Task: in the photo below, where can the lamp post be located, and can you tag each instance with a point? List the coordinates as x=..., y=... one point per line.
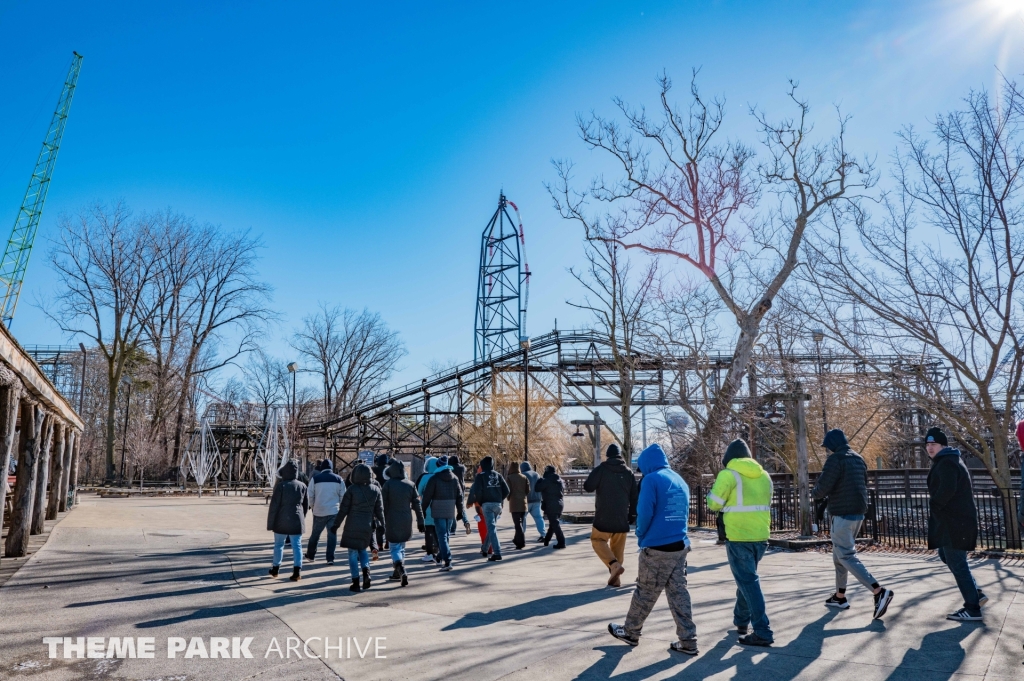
x=818, y=335
x=597, y=422
x=524, y=343
x=293, y=369
x=127, y=380
x=81, y=388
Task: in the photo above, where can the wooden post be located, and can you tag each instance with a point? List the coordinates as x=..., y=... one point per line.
x=62, y=496
x=10, y=398
x=25, y=487
x=73, y=471
x=42, y=476
x=56, y=472
x=799, y=419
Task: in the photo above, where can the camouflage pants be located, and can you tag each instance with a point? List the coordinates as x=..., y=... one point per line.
x=662, y=571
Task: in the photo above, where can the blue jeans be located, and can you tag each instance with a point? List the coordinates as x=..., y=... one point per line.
x=443, y=529
x=956, y=561
x=397, y=551
x=743, y=559
x=491, y=512
x=320, y=523
x=357, y=558
x=534, y=509
x=296, y=542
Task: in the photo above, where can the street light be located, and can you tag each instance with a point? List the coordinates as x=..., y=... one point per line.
x=126, y=380
x=524, y=343
x=817, y=335
x=293, y=369
x=81, y=388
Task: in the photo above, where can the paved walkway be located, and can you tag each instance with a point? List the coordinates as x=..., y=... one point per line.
x=190, y=568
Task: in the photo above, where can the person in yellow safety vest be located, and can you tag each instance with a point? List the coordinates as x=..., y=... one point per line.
x=743, y=492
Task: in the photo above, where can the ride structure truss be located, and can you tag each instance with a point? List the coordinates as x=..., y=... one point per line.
x=502, y=286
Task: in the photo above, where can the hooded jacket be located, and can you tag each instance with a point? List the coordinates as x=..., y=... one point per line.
x=361, y=505
x=552, y=492
x=518, y=490
x=401, y=501
x=429, y=467
x=743, y=492
x=615, y=504
x=443, y=495
x=325, y=491
x=844, y=478
x=663, y=505
x=953, y=517
x=380, y=464
x=459, y=470
x=488, y=485
x=533, y=476
x=288, y=504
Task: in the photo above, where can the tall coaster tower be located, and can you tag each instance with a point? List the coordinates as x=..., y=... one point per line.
x=503, y=287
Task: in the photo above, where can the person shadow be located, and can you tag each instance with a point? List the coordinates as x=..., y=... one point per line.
x=536, y=608
x=940, y=656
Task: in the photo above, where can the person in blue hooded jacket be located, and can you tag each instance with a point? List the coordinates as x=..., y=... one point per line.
x=429, y=531
x=662, y=511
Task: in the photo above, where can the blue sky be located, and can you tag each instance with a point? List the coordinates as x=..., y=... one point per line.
x=368, y=145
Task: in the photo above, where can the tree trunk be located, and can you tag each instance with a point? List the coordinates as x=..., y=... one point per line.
x=56, y=472
x=42, y=476
x=798, y=417
x=73, y=471
x=25, y=487
x=111, y=429
x=65, y=478
x=10, y=397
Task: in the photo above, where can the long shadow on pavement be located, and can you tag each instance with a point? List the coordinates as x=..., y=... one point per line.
x=537, y=608
x=938, y=658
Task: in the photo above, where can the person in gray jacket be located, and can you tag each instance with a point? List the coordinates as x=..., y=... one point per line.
x=533, y=499
x=844, y=482
x=325, y=491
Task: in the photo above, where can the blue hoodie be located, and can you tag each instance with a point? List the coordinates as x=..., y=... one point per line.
x=664, y=504
x=429, y=468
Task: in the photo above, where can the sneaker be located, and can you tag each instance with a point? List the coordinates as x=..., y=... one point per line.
x=540, y=538
x=427, y=558
x=742, y=631
x=308, y=559
x=559, y=546
x=882, y=600
x=330, y=562
x=684, y=647
x=982, y=598
x=374, y=555
x=619, y=632
x=494, y=557
x=962, y=615
x=755, y=640
x=838, y=603
x=447, y=567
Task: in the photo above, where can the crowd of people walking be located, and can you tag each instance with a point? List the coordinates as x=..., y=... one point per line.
x=377, y=506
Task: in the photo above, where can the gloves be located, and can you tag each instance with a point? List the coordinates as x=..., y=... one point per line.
x=421, y=527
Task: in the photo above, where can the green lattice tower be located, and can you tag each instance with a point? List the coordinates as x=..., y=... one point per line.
x=19, y=246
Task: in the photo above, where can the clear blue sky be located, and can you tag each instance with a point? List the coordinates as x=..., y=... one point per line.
x=368, y=145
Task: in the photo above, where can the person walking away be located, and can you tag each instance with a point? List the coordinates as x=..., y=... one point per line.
x=325, y=491
x=443, y=496
x=615, y=488
x=533, y=498
x=518, y=490
x=286, y=518
x=844, y=483
x=743, y=492
x=401, y=501
x=361, y=506
x=429, y=532
x=489, y=490
x=552, y=491
x=662, y=513
x=379, y=469
x=953, y=519
x=459, y=469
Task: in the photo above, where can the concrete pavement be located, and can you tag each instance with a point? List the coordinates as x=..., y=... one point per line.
x=190, y=568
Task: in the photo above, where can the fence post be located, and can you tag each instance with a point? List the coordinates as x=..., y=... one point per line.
x=700, y=506
x=874, y=515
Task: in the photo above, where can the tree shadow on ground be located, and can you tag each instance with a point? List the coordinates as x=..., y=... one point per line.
x=536, y=608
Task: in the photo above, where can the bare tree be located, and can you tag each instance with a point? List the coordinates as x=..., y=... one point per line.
x=621, y=308
x=266, y=380
x=105, y=263
x=683, y=194
x=354, y=353
x=940, y=277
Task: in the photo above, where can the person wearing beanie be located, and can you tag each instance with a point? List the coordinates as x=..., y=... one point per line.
x=953, y=520
x=324, y=493
x=519, y=490
x=552, y=491
x=286, y=518
x=615, y=494
x=844, y=483
x=662, y=513
x=743, y=492
x=533, y=499
x=490, y=490
x=460, y=473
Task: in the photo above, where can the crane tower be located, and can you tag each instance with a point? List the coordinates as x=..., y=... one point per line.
x=19, y=246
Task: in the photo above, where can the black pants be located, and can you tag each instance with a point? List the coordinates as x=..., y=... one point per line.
x=519, y=540
x=554, y=527
x=720, y=526
x=430, y=534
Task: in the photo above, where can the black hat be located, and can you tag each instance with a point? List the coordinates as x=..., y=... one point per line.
x=613, y=452
x=737, y=449
x=936, y=435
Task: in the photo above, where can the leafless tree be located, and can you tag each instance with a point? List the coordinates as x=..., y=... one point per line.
x=621, y=308
x=266, y=380
x=353, y=353
x=941, y=275
x=683, y=194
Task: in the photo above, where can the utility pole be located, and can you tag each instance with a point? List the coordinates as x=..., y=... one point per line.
x=795, y=408
x=596, y=422
x=127, y=380
x=643, y=418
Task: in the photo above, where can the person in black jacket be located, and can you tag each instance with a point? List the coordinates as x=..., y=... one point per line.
x=953, y=520
x=362, y=506
x=844, y=482
x=614, y=485
x=551, y=491
x=443, y=496
x=460, y=473
x=286, y=518
x=489, y=490
x=380, y=465
x=401, y=501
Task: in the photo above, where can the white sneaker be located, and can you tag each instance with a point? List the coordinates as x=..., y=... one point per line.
x=427, y=558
